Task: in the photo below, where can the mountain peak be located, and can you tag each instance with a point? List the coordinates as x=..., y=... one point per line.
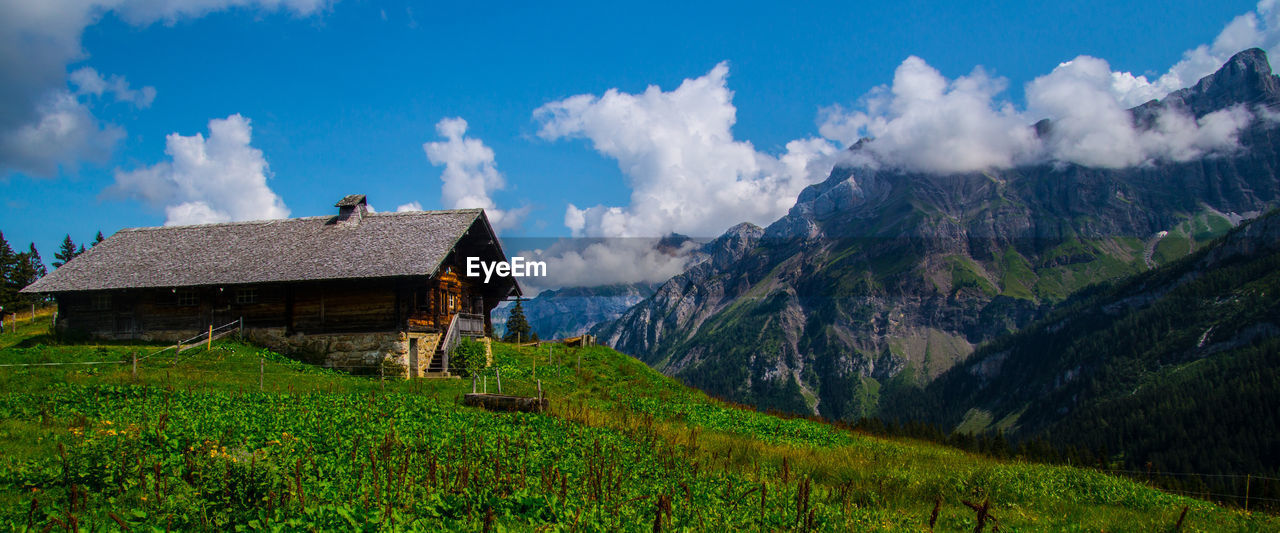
x=1246, y=78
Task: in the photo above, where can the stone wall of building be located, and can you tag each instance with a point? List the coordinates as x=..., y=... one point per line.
x=357, y=353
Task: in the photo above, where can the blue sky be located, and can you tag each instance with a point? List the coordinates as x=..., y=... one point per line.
x=341, y=97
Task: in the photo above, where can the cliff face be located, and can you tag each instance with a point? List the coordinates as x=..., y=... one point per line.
x=881, y=278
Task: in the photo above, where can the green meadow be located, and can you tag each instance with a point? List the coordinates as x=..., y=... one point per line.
x=194, y=443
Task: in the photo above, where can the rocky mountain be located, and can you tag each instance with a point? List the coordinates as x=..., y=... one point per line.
x=1175, y=367
x=684, y=301
x=883, y=279
x=572, y=311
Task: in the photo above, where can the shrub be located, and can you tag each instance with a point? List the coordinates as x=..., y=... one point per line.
x=468, y=358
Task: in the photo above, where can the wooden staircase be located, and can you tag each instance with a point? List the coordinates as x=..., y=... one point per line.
x=461, y=324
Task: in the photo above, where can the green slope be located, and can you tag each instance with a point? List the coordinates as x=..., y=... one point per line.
x=1176, y=369
x=191, y=444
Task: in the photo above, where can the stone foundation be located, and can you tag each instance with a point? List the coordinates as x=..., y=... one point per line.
x=427, y=344
x=357, y=353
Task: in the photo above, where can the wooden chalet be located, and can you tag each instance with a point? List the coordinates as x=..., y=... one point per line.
x=348, y=291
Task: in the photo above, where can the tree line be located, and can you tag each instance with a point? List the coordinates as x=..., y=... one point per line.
x=19, y=269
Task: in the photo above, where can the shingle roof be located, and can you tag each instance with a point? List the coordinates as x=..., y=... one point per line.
x=296, y=249
x=350, y=200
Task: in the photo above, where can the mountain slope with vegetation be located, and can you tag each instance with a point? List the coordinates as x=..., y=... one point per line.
x=191, y=443
x=1175, y=369
x=882, y=278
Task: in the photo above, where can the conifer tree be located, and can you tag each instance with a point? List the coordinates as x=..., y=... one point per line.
x=8, y=269
x=517, y=325
x=97, y=239
x=65, y=253
x=37, y=263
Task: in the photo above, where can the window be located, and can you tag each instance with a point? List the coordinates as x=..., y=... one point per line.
x=247, y=296
x=422, y=298
x=100, y=302
x=187, y=298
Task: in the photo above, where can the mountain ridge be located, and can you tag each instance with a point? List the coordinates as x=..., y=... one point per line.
x=882, y=278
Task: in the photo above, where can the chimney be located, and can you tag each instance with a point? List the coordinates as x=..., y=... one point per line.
x=351, y=209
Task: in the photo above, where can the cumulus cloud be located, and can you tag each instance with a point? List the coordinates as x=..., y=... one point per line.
x=63, y=132
x=687, y=172
x=1092, y=127
x=925, y=122
x=411, y=206
x=470, y=173
x=216, y=179
x=43, y=123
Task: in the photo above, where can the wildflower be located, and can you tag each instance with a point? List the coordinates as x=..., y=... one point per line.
x=106, y=422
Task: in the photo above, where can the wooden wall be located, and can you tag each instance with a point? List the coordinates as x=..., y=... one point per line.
x=311, y=307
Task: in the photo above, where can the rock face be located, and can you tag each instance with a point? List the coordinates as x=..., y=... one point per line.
x=685, y=300
x=878, y=279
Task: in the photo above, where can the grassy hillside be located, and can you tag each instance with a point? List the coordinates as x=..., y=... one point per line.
x=1173, y=370
x=192, y=444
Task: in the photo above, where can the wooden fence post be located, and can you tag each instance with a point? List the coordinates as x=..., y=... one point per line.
x=262, y=369
x=209, y=344
x=498, y=376
x=1247, y=479
x=135, y=374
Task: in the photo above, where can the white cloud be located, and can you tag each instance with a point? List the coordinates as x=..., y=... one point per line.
x=143, y=12
x=1093, y=128
x=927, y=123
x=38, y=39
x=1259, y=28
x=64, y=132
x=687, y=172
x=88, y=81
x=411, y=206
x=218, y=179
x=470, y=173
x=595, y=262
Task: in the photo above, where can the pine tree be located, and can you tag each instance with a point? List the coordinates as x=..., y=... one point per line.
x=65, y=253
x=97, y=239
x=517, y=325
x=8, y=269
x=27, y=268
x=37, y=263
